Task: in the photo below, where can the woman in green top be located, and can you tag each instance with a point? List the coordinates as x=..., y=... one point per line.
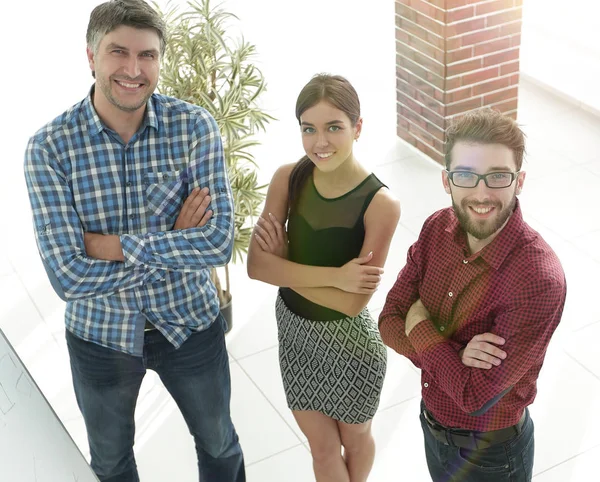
x=340, y=222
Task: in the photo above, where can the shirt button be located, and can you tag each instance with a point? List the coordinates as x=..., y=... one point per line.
x=450, y=294
x=426, y=384
x=129, y=184
x=465, y=261
x=131, y=216
x=165, y=176
x=442, y=328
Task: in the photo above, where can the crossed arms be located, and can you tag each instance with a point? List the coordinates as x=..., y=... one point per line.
x=346, y=289
x=478, y=374
x=83, y=265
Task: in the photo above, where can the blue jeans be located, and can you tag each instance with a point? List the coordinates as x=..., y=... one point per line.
x=107, y=383
x=511, y=461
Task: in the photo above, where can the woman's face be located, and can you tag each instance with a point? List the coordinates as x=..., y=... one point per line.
x=328, y=135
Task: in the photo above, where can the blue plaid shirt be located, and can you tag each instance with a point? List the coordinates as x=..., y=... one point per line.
x=82, y=177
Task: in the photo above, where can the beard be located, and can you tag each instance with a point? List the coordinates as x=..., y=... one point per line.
x=106, y=88
x=482, y=229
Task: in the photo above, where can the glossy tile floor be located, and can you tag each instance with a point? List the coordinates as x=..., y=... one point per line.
x=560, y=200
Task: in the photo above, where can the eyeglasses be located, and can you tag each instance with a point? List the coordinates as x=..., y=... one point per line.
x=493, y=180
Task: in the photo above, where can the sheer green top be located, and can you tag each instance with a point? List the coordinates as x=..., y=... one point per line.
x=326, y=232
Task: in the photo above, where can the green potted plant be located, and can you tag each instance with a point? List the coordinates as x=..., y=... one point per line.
x=205, y=66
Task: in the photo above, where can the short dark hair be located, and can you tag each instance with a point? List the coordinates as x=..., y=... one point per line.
x=486, y=126
x=108, y=16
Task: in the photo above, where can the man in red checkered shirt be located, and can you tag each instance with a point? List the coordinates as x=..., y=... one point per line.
x=475, y=307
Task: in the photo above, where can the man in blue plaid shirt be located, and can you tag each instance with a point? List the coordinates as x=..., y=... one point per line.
x=132, y=208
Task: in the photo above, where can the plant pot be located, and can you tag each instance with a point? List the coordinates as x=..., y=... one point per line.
x=227, y=311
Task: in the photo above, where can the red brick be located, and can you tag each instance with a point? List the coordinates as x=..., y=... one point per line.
x=401, y=73
x=463, y=67
x=402, y=122
x=420, y=32
x=459, y=14
x=509, y=68
x=426, y=48
x=420, y=71
x=426, y=8
x=464, y=106
x=423, y=20
x=515, y=40
x=451, y=4
x=508, y=106
x=453, y=43
x=425, y=137
x=420, y=84
x=438, y=3
x=510, y=28
x=437, y=132
x=453, y=83
x=491, y=7
x=416, y=117
x=420, y=59
x=404, y=135
x=480, y=76
x=432, y=153
x=458, y=95
x=429, y=102
x=493, y=46
x=468, y=26
x=501, y=96
x=512, y=115
x=459, y=55
x=405, y=87
x=518, y=3
x=491, y=85
x=409, y=102
x=412, y=116
x=402, y=36
x=514, y=79
x=501, y=57
x=502, y=18
x=431, y=116
x=409, y=95
x=481, y=36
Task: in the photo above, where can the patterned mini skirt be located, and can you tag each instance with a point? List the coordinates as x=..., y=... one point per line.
x=333, y=367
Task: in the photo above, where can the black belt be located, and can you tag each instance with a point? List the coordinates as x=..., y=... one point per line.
x=470, y=439
x=149, y=326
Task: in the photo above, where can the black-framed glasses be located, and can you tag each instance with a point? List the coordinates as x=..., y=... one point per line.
x=493, y=180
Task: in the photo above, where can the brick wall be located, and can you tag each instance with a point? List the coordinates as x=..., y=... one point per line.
x=453, y=56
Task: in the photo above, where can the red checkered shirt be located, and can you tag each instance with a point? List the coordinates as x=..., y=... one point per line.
x=514, y=287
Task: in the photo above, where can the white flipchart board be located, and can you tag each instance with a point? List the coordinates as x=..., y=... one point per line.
x=34, y=444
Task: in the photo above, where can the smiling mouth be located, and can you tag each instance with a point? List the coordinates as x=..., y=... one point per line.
x=129, y=85
x=482, y=210
x=324, y=155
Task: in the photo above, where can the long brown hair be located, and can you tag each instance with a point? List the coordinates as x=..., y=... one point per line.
x=337, y=91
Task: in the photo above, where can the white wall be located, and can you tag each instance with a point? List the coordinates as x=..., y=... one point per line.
x=45, y=71
x=561, y=47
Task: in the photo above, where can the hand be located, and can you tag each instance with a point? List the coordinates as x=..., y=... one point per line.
x=416, y=314
x=193, y=213
x=271, y=236
x=480, y=353
x=357, y=277
x=100, y=246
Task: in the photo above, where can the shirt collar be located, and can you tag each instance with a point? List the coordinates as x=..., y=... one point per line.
x=496, y=252
x=95, y=124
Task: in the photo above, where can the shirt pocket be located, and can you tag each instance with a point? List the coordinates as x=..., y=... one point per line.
x=165, y=191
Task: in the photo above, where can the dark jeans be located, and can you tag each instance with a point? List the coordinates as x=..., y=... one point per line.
x=107, y=384
x=511, y=461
